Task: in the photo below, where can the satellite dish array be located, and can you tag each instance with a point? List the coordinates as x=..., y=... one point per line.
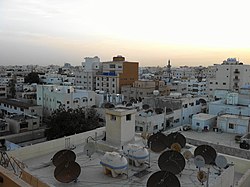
x=205, y=156
x=171, y=162
x=67, y=170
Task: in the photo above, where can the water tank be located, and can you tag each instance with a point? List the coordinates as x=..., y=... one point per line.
x=114, y=163
x=136, y=153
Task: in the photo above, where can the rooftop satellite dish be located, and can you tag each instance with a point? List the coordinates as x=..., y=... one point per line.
x=89, y=148
x=176, y=137
x=157, y=142
x=158, y=110
x=149, y=111
x=163, y=179
x=63, y=156
x=132, y=100
x=187, y=155
x=202, y=176
x=171, y=161
x=207, y=152
x=221, y=161
x=199, y=161
x=129, y=104
x=124, y=102
x=67, y=172
x=145, y=106
x=176, y=147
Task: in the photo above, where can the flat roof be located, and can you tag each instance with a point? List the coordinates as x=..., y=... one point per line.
x=203, y=116
x=17, y=103
x=234, y=116
x=92, y=171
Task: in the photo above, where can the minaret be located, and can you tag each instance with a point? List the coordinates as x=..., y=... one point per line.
x=169, y=71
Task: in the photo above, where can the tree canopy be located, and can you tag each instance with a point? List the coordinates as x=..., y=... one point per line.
x=68, y=122
x=32, y=78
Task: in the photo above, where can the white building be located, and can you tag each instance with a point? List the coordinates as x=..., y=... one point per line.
x=51, y=97
x=120, y=125
x=230, y=75
x=234, y=103
x=149, y=121
x=14, y=106
x=203, y=122
x=196, y=87
x=234, y=124
x=86, y=77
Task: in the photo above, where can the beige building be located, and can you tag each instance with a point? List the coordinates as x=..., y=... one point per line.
x=22, y=123
x=230, y=75
x=144, y=88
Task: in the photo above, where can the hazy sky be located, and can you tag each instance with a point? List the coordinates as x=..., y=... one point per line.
x=189, y=32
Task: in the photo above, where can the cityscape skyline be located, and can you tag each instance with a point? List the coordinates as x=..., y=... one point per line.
x=189, y=33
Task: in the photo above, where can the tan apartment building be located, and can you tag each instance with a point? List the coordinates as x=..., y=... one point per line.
x=231, y=75
x=144, y=88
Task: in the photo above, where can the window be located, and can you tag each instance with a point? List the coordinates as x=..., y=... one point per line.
x=128, y=117
x=34, y=123
x=224, y=83
x=112, y=66
x=67, y=102
x=185, y=106
x=197, y=124
x=211, y=82
x=231, y=126
x=22, y=109
x=155, y=127
x=23, y=125
x=113, y=117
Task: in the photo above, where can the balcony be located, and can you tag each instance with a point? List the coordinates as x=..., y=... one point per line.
x=236, y=71
x=236, y=79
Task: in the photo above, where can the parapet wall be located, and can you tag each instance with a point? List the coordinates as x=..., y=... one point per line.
x=239, y=157
x=44, y=148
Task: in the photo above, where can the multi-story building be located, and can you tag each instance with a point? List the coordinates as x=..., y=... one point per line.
x=51, y=97
x=196, y=87
x=86, y=77
x=14, y=106
x=230, y=75
x=22, y=123
x=144, y=88
x=3, y=91
x=116, y=74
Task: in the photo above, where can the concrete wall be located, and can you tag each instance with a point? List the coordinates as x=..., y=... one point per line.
x=44, y=148
x=244, y=180
x=241, y=164
x=11, y=180
x=226, y=179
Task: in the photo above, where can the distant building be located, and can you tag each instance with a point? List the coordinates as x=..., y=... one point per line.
x=86, y=77
x=14, y=106
x=51, y=97
x=203, y=122
x=21, y=123
x=234, y=124
x=231, y=75
x=144, y=88
x=116, y=74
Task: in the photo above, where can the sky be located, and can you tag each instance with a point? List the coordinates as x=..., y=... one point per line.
x=193, y=32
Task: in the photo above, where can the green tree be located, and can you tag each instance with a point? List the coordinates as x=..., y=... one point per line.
x=64, y=123
x=32, y=78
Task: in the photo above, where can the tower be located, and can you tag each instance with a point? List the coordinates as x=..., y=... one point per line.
x=120, y=125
